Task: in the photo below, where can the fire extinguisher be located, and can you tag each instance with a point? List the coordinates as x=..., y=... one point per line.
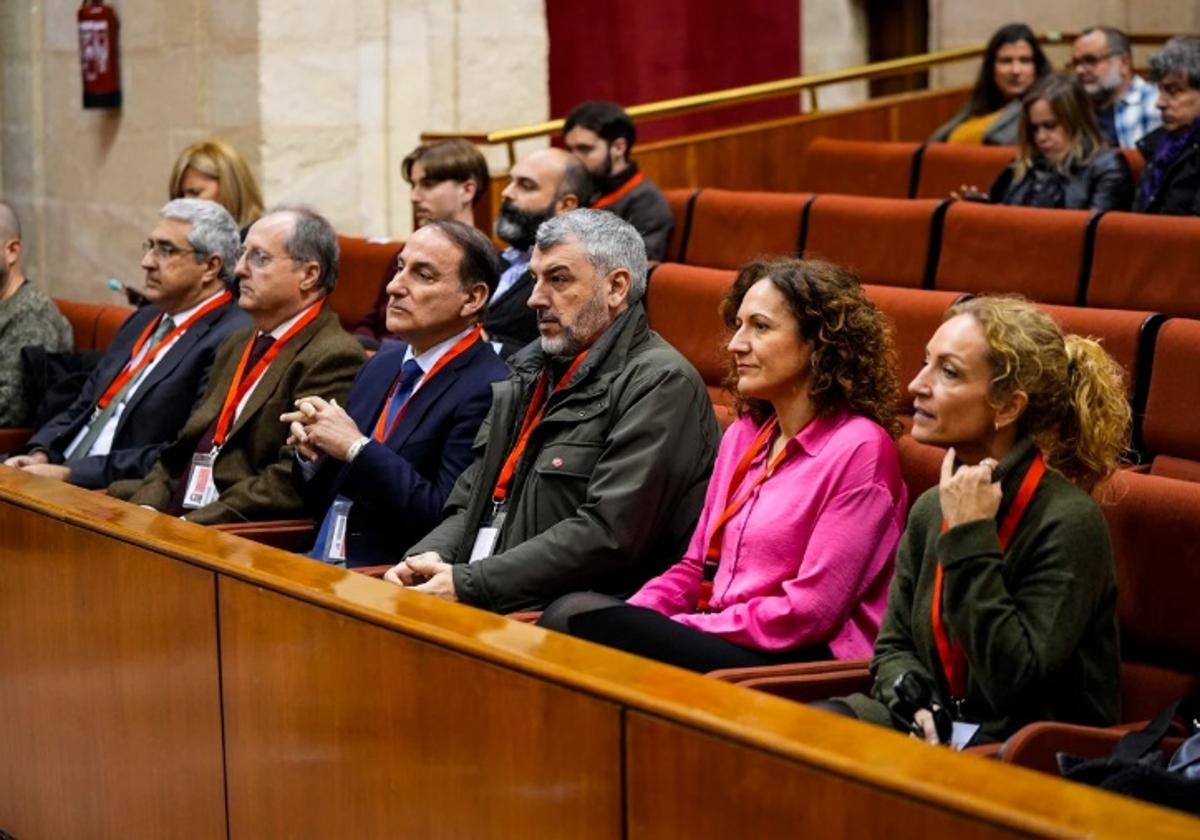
x=98, y=26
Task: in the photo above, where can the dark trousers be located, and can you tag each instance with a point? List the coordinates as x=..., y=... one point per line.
x=610, y=621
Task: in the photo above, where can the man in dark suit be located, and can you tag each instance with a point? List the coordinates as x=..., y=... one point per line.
x=230, y=462
x=377, y=473
x=542, y=185
x=142, y=391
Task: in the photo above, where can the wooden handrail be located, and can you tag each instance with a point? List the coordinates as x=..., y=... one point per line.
x=809, y=82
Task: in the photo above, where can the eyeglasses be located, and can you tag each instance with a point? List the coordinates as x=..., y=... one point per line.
x=1088, y=60
x=164, y=250
x=256, y=258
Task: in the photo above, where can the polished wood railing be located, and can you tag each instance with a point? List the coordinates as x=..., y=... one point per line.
x=809, y=83
x=161, y=679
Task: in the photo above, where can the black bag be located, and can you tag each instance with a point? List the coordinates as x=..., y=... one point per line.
x=56, y=379
x=1137, y=767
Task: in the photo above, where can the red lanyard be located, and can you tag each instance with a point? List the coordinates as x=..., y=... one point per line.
x=533, y=416
x=954, y=659
x=712, y=557
x=243, y=382
x=619, y=193
x=131, y=370
x=461, y=346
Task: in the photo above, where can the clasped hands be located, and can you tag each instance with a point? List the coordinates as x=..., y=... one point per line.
x=425, y=572
x=968, y=493
x=39, y=464
x=318, y=427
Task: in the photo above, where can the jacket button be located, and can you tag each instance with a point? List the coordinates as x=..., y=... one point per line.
x=556, y=462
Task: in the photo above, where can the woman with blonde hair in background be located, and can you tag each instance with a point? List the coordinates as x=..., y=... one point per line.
x=1063, y=161
x=213, y=170
x=1003, y=609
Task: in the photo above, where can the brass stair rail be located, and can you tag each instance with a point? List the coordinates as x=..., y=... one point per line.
x=810, y=82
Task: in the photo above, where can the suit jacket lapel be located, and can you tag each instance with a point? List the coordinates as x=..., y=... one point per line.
x=274, y=373
x=167, y=364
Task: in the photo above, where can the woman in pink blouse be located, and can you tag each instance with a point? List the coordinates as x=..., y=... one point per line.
x=792, y=555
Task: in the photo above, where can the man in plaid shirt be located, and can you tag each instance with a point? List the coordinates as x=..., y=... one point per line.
x=1103, y=60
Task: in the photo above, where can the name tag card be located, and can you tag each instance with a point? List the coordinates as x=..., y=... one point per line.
x=201, y=489
x=485, y=540
x=335, y=549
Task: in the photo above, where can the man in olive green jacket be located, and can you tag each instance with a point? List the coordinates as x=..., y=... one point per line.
x=591, y=466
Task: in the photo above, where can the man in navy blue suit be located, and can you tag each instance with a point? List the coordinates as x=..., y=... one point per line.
x=378, y=471
x=144, y=388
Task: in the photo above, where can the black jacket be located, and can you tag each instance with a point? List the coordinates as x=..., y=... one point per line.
x=1104, y=183
x=1179, y=192
x=510, y=320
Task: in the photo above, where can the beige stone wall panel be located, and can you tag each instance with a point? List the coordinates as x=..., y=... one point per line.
x=323, y=99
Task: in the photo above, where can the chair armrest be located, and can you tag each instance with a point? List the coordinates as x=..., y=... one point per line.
x=13, y=438
x=1036, y=745
x=803, y=681
x=288, y=534
x=527, y=616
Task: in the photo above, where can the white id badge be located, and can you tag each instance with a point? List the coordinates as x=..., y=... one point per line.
x=485, y=540
x=335, y=550
x=962, y=734
x=201, y=489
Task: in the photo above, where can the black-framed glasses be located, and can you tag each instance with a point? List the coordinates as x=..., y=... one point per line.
x=1088, y=60
x=164, y=250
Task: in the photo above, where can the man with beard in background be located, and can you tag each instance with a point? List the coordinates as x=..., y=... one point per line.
x=1103, y=60
x=602, y=135
x=542, y=185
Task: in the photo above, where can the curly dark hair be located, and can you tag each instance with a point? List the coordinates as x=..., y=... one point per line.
x=853, y=360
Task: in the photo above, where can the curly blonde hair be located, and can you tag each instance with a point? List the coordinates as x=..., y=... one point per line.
x=853, y=359
x=1077, y=412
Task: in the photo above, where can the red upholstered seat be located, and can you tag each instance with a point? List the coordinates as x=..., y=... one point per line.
x=1136, y=164
x=915, y=314
x=363, y=271
x=108, y=321
x=1154, y=523
x=683, y=306
x=944, y=167
x=1169, y=429
x=93, y=324
x=997, y=249
x=857, y=167
x=680, y=202
x=731, y=228
x=883, y=240
x=1146, y=262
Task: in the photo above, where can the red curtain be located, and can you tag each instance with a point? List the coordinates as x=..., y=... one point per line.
x=635, y=51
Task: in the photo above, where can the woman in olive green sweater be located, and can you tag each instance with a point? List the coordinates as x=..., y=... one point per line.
x=1026, y=628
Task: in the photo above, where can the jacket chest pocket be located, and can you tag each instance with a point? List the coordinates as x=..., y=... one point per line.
x=567, y=460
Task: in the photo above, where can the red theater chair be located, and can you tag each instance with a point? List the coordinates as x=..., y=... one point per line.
x=857, y=167
x=730, y=228
x=884, y=241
